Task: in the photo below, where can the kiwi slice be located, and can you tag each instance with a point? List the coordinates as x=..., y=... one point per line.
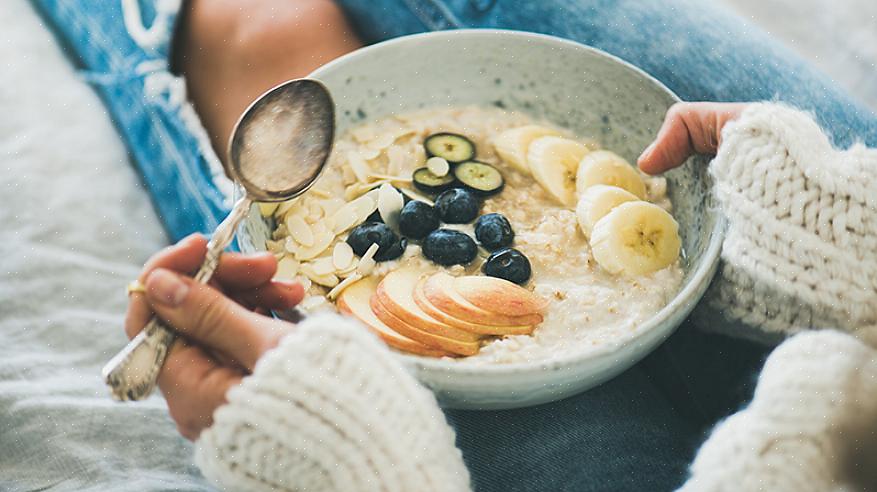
x=449, y=146
x=427, y=182
x=479, y=177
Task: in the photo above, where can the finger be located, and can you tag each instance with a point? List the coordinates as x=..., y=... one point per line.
x=184, y=256
x=203, y=314
x=272, y=295
x=238, y=271
x=672, y=145
x=194, y=387
x=688, y=128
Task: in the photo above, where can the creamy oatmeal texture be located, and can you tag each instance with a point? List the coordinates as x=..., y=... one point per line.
x=587, y=306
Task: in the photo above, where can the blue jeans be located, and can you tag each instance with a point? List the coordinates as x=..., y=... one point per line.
x=636, y=432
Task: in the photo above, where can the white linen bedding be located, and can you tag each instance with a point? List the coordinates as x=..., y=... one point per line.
x=75, y=226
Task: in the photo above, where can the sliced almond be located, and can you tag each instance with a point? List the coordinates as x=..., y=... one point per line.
x=323, y=266
x=386, y=178
x=329, y=280
x=367, y=262
x=287, y=268
x=311, y=303
x=390, y=204
x=382, y=141
x=364, y=206
x=347, y=175
x=358, y=165
x=300, y=230
x=396, y=158
x=368, y=153
x=338, y=289
x=416, y=196
x=319, y=192
x=331, y=205
x=322, y=240
x=291, y=245
x=342, y=256
x=285, y=207
x=356, y=190
x=438, y=166
x=344, y=218
x=267, y=209
x=304, y=281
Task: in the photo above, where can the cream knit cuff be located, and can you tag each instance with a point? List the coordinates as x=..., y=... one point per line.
x=810, y=426
x=331, y=409
x=802, y=228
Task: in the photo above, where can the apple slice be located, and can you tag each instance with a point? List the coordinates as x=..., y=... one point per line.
x=396, y=293
x=354, y=301
x=418, y=335
x=423, y=302
x=498, y=295
x=440, y=292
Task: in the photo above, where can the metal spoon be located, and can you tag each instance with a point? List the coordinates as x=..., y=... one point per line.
x=278, y=148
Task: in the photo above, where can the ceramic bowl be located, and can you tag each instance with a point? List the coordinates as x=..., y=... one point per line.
x=586, y=90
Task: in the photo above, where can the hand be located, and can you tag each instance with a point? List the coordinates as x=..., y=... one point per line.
x=688, y=128
x=223, y=335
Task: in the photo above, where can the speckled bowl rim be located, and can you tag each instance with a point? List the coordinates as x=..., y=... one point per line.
x=682, y=303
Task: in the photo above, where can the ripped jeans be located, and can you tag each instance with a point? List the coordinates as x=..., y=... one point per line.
x=636, y=432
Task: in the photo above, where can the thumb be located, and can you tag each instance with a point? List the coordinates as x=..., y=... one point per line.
x=203, y=314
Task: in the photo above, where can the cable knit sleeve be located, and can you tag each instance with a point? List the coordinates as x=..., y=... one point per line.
x=802, y=227
x=810, y=426
x=331, y=409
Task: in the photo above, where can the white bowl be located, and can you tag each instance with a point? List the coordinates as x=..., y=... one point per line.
x=586, y=90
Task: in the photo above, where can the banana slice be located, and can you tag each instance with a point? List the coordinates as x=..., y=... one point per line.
x=636, y=238
x=609, y=168
x=512, y=145
x=553, y=162
x=597, y=201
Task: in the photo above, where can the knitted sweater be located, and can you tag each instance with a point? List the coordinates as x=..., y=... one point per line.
x=330, y=409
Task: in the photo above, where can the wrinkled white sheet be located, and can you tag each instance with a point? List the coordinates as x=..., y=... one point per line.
x=75, y=224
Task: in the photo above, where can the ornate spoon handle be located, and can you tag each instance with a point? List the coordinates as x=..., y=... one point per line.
x=132, y=373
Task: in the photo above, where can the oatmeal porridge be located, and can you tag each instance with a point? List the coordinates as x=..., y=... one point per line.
x=479, y=235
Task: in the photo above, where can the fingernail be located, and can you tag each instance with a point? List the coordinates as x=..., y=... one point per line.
x=166, y=288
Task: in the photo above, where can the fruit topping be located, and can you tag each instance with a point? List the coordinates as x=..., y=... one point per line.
x=597, y=201
x=457, y=206
x=418, y=219
x=427, y=182
x=499, y=295
x=364, y=235
x=512, y=145
x=449, y=247
x=438, y=166
x=493, y=231
x=636, y=238
x=553, y=162
x=449, y=146
x=608, y=168
x=390, y=203
x=509, y=264
x=479, y=177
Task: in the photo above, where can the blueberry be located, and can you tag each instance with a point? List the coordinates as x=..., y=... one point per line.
x=364, y=235
x=493, y=231
x=457, y=206
x=417, y=219
x=447, y=247
x=508, y=263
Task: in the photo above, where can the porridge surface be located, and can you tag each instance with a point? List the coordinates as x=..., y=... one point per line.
x=587, y=306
